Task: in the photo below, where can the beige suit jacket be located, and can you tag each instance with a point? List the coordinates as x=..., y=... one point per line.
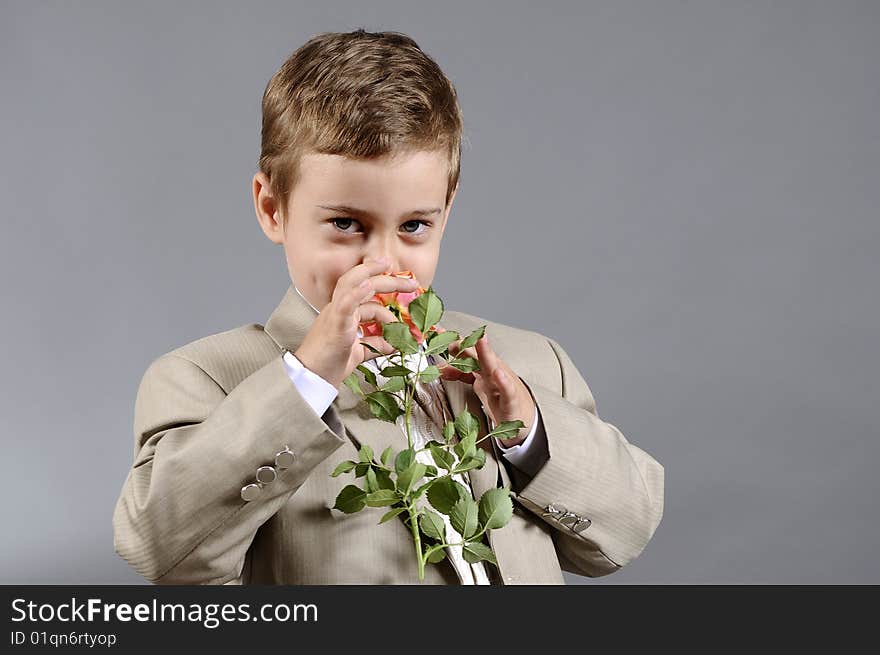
x=209, y=413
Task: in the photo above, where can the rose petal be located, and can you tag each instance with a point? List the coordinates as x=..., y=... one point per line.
x=400, y=300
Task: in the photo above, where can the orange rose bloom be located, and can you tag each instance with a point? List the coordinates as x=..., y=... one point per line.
x=399, y=300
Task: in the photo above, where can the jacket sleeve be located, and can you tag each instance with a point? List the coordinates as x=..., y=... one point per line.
x=602, y=495
x=180, y=517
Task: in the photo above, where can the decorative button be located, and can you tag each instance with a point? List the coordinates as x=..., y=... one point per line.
x=554, y=510
x=250, y=492
x=266, y=474
x=284, y=459
x=582, y=525
x=569, y=519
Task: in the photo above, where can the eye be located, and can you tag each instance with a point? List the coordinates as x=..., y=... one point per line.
x=342, y=224
x=417, y=223
x=346, y=221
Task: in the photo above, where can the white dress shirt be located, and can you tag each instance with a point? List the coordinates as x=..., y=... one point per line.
x=529, y=456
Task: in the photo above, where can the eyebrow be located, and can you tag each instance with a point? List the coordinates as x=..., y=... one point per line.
x=363, y=212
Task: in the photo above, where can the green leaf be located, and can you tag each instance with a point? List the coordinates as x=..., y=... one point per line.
x=429, y=373
x=360, y=470
x=426, y=310
x=443, y=457
x=350, y=500
x=463, y=517
x=466, y=425
x=390, y=515
x=418, y=492
x=352, y=383
x=399, y=336
x=368, y=374
x=365, y=453
x=474, y=551
x=437, y=556
x=433, y=525
x=343, y=467
x=383, y=479
x=440, y=342
x=466, y=447
x=371, y=483
x=386, y=456
x=413, y=473
x=382, y=498
x=445, y=493
x=473, y=337
x=394, y=384
x=448, y=431
x=507, y=429
x=473, y=461
x=496, y=508
x=384, y=406
x=395, y=371
x=372, y=349
x=465, y=364
x=403, y=460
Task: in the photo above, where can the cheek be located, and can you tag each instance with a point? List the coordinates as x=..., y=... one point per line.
x=314, y=266
x=424, y=268
x=326, y=270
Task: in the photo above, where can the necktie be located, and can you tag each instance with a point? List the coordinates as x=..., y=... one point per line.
x=430, y=413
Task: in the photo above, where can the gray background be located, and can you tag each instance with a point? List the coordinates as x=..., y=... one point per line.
x=683, y=194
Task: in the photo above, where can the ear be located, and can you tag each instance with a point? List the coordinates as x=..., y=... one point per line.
x=267, y=213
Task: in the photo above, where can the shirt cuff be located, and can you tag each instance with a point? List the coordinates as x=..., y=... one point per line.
x=519, y=448
x=316, y=391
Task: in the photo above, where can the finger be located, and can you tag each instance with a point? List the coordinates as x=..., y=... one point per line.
x=506, y=390
x=487, y=399
x=489, y=361
x=455, y=349
x=348, y=306
x=385, y=283
x=379, y=344
x=359, y=275
x=451, y=373
x=373, y=311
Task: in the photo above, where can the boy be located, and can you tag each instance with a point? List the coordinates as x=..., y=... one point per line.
x=236, y=434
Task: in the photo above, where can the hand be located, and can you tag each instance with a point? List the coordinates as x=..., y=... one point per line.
x=502, y=392
x=331, y=348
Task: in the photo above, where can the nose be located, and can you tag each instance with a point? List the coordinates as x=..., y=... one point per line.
x=393, y=264
x=384, y=243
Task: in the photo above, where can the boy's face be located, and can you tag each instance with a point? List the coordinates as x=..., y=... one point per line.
x=343, y=211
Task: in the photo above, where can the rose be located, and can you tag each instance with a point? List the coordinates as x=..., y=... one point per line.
x=398, y=302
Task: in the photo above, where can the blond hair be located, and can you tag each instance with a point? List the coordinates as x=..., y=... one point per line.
x=360, y=94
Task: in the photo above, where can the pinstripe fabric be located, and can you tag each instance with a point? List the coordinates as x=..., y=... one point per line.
x=209, y=413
